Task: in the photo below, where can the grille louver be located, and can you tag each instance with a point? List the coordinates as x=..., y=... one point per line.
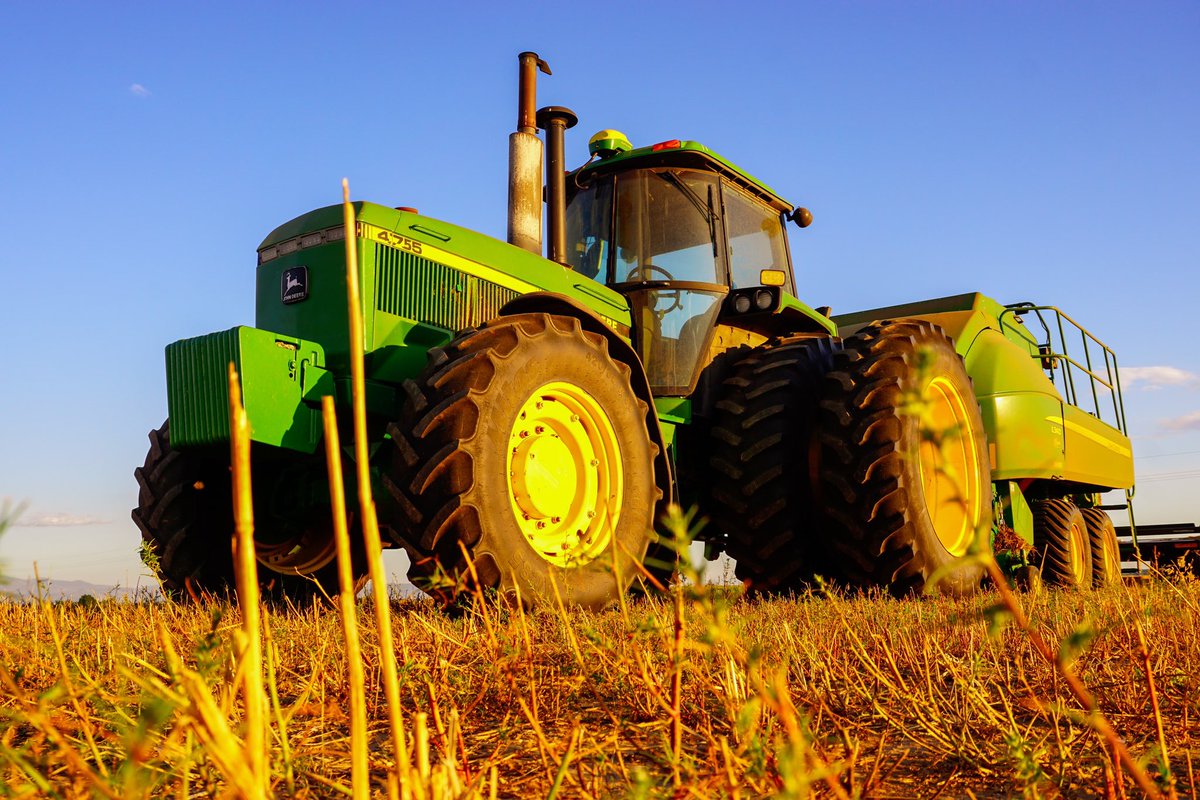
x=417, y=288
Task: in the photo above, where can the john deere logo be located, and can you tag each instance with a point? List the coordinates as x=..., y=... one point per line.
x=295, y=284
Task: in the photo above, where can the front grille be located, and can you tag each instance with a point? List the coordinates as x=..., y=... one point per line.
x=417, y=288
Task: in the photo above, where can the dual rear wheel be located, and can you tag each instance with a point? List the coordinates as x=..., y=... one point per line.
x=1077, y=546
x=862, y=460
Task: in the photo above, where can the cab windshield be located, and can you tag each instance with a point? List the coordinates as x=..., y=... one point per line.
x=666, y=227
x=672, y=240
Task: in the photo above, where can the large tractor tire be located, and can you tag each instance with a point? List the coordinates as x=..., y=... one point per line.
x=1106, y=553
x=903, y=461
x=1060, y=534
x=185, y=514
x=759, y=492
x=522, y=460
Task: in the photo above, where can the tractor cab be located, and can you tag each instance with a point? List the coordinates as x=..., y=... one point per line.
x=690, y=240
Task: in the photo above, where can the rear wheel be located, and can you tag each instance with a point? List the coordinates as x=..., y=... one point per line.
x=1061, y=536
x=1106, y=554
x=760, y=496
x=185, y=514
x=903, y=467
x=523, y=458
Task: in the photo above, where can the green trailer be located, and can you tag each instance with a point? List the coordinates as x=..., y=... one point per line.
x=531, y=416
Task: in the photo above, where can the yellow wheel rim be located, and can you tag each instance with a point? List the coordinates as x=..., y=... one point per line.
x=565, y=476
x=1079, y=550
x=949, y=463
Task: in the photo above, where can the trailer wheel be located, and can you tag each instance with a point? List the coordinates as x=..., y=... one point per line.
x=903, y=460
x=759, y=494
x=1106, y=554
x=1060, y=534
x=522, y=459
x=185, y=514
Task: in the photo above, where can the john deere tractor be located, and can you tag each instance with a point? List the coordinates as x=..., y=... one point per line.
x=531, y=416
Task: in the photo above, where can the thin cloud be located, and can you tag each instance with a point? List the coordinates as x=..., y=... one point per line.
x=1158, y=377
x=137, y=90
x=1188, y=422
x=58, y=520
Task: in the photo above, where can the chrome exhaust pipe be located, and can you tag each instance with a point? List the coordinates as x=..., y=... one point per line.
x=525, y=161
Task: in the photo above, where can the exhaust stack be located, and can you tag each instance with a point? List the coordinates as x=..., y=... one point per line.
x=525, y=161
x=555, y=120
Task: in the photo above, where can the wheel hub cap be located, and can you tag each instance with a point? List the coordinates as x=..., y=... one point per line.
x=565, y=475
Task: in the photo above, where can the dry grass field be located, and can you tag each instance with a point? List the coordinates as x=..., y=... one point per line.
x=696, y=693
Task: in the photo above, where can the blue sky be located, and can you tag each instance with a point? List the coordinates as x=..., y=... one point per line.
x=1033, y=151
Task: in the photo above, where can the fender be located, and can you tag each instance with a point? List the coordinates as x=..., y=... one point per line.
x=621, y=350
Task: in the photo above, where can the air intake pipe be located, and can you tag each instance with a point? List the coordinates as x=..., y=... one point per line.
x=555, y=120
x=525, y=161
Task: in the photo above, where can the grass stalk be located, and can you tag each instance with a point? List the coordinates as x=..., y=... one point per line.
x=359, y=777
x=370, y=523
x=1158, y=723
x=246, y=575
x=677, y=684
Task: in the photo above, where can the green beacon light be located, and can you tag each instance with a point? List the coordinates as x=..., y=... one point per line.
x=608, y=143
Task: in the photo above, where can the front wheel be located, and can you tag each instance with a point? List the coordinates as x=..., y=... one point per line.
x=523, y=460
x=185, y=514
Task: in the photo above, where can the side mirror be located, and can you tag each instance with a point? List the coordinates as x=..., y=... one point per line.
x=801, y=216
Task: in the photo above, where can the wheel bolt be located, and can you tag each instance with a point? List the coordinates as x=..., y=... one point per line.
x=539, y=429
x=595, y=463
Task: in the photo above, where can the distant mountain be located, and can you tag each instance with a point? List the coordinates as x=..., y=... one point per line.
x=73, y=590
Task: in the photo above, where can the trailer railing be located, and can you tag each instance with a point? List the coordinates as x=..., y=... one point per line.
x=1102, y=378
x=1096, y=378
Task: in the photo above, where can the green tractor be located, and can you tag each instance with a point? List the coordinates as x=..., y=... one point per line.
x=532, y=417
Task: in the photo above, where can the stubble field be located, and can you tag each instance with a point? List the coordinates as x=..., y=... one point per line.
x=696, y=693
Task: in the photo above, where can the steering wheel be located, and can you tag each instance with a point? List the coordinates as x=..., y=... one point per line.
x=637, y=272
x=674, y=297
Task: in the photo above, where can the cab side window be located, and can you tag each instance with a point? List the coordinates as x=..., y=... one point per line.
x=589, y=218
x=755, y=233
